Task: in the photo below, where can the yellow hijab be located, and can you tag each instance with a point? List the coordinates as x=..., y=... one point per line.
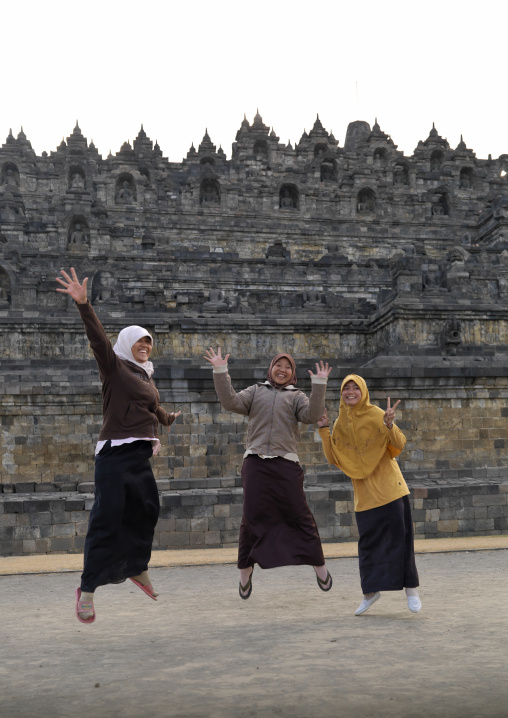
x=359, y=439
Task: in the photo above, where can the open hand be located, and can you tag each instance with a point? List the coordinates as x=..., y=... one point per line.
x=72, y=287
x=322, y=370
x=389, y=416
x=215, y=359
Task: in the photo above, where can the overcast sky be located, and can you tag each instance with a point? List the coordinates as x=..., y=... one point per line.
x=180, y=67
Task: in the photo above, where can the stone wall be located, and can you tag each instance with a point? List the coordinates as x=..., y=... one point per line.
x=393, y=266
x=210, y=518
x=456, y=425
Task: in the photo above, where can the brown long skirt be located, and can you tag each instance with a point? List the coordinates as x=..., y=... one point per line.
x=278, y=528
x=386, y=547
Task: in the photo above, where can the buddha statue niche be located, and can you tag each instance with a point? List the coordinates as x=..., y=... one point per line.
x=216, y=301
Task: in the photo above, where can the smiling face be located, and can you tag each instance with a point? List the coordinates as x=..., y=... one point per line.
x=351, y=393
x=282, y=371
x=142, y=349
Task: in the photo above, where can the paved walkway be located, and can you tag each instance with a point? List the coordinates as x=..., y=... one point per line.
x=290, y=651
x=56, y=563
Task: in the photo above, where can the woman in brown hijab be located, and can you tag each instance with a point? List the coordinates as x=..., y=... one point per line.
x=278, y=528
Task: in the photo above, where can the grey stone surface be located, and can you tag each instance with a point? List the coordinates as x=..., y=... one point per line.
x=394, y=266
x=210, y=517
x=290, y=651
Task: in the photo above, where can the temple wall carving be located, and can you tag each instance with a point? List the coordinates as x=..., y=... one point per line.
x=395, y=266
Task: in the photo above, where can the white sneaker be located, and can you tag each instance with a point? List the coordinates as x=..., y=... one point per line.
x=367, y=603
x=414, y=604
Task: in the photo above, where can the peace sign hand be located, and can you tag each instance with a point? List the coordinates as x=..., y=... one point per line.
x=389, y=416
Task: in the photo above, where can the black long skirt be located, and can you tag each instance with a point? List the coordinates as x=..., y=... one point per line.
x=118, y=544
x=386, y=547
x=278, y=528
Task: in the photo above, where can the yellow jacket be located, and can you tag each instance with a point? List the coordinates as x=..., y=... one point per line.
x=386, y=482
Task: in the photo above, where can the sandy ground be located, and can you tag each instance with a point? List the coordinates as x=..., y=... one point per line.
x=290, y=651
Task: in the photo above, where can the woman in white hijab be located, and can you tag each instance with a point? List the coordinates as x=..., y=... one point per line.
x=126, y=508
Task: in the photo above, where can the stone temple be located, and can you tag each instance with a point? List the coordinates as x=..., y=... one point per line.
x=390, y=265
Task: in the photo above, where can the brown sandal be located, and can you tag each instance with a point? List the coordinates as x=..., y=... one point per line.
x=322, y=583
x=247, y=587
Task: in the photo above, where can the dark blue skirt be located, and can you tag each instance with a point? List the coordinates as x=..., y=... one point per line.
x=118, y=544
x=386, y=547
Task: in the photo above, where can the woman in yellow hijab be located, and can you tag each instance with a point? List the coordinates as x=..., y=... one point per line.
x=363, y=444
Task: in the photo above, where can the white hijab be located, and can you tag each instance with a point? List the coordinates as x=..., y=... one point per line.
x=126, y=340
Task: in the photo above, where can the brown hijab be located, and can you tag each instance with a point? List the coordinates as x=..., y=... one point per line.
x=291, y=380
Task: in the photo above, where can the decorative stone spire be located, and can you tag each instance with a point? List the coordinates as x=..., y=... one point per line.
x=126, y=152
x=244, y=128
x=318, y=130
x=142, y=144
x=435, y=138
x=377, y=135
x=258, y=124
x=206, y=147
x=461, y=145
x=462, y=150
x=23, y=143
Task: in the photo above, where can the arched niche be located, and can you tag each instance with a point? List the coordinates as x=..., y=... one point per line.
x=260, y=149
x=380, y=156
x=76, y=178
x=320, y=149
x=9, y=174
x=5, y=288
x=328, y=171
x=366, y=201
x=436, y=160
x=400, y=174
x=466, y=180
x=78, y=232
x=104, y=288
x=209, y=193
x=440, y=204
x=207, y=161
x=288, y=197
x=125, y=189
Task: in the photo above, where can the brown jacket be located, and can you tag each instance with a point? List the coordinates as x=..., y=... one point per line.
x=130, y=401
x=273, y=414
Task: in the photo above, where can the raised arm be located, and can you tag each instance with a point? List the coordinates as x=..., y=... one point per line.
x=99, y=342
x=239, y=403
x=309, y=410
x=397, y=439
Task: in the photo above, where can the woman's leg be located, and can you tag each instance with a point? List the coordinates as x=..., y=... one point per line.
x=123, y=517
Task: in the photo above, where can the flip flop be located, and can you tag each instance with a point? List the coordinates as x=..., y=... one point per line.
x=322, y=583
x=247, y=587
x=148, y=589
x=83, y=607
